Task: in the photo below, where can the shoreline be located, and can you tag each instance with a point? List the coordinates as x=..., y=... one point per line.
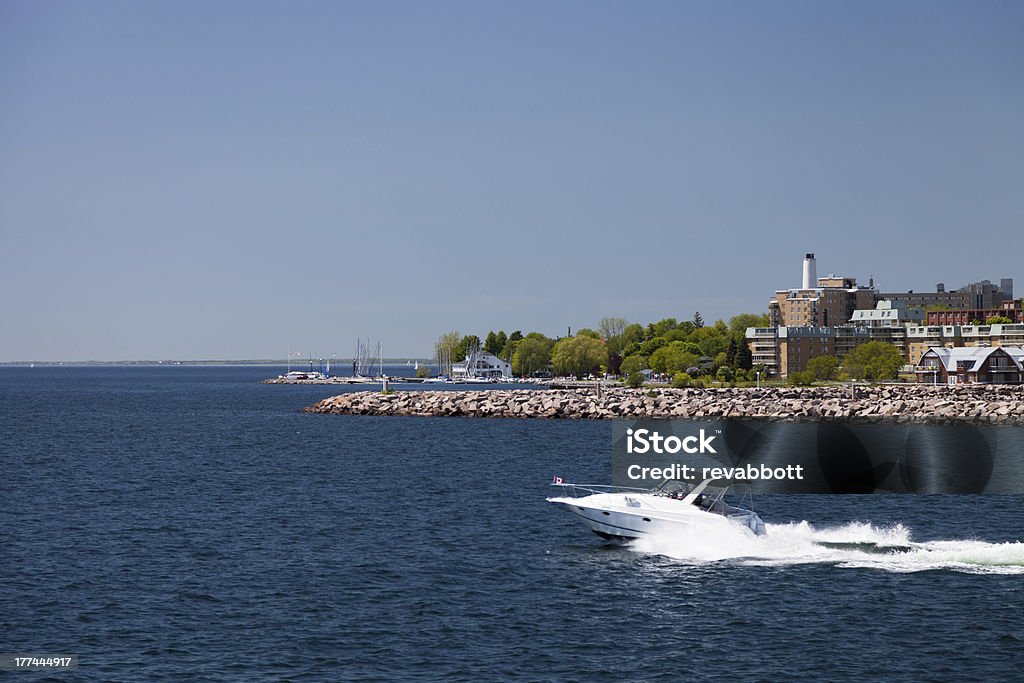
x=910, y=404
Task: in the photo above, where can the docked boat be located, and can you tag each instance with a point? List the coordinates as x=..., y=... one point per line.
x=624, y=514
x=475, y=380
x=297, y=375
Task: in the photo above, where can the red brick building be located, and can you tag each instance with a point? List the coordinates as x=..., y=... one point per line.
x=970, y=316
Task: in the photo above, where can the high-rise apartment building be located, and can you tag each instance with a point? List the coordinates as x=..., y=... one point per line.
x=819, y=302
x=833, y=314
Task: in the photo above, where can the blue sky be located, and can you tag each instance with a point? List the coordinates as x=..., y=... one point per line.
x=239, y=179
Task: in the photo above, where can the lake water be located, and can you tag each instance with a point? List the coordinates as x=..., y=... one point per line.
x=168, y=523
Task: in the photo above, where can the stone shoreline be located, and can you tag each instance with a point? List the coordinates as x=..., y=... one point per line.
x=910, y=404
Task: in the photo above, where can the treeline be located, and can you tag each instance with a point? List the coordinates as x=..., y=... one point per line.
x=682, y=350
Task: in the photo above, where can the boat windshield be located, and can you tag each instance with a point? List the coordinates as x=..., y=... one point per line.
x=676, y=488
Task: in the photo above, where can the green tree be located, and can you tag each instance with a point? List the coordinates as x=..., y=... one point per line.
x=445, y=349
x=731, y=351
x=612, y=331
x=635, y=379
x=510, y=346
x=587, y=332
x=631, y=364
x=874, y=360
x=676, y=335
x=633, y=333
x=998, y=320
x=739, y=323
x=823, y=367
x=672, y=358
x=681, y=380
x=578, y=355
x=691, y=348
x=532, y=355
x=801, y=379
x=651, y=345
x=423, y=371
x=698, y=320
x=744, y=358
x=663, y=327
x=470, y=340
x=711, y=340
x=724, y=374
x=491, y=343
x=631, y=349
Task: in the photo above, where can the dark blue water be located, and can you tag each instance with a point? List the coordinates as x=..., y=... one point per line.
x=188, y=523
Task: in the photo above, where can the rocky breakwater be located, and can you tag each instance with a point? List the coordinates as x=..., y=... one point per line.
x=1002, y=405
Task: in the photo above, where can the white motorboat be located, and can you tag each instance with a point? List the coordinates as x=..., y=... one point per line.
x=625, y=514
x=297, y=375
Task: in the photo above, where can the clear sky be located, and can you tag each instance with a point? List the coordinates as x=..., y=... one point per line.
x=240, y=179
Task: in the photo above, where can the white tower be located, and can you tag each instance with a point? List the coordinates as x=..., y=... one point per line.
x=810, y=272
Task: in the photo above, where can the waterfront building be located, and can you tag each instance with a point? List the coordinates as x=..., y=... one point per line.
x=984, y=294
x=484, y=364
x=992, y=335
x=833, y=300
x=887, y=322
x=887, y=314
x=785, y=350
x=797, y=345
x=971, y=365
x=847, y=337
x=1014, y=310
x=920, y=338
x=925, y=300
x=764, y=350
x=976, y=295
x=923, y=337
x=818, y=302
x=832, y=315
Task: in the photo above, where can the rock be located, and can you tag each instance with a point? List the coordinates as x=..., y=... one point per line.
x=894, y=403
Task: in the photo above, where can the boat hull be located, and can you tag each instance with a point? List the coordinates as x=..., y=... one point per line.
x=625, y=518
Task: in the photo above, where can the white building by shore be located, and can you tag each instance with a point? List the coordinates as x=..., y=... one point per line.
x=486, y=365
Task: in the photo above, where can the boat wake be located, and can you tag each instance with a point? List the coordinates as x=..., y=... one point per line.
x=852, y=545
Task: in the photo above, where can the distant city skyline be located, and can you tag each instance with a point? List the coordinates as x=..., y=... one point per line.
x=242, y=180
